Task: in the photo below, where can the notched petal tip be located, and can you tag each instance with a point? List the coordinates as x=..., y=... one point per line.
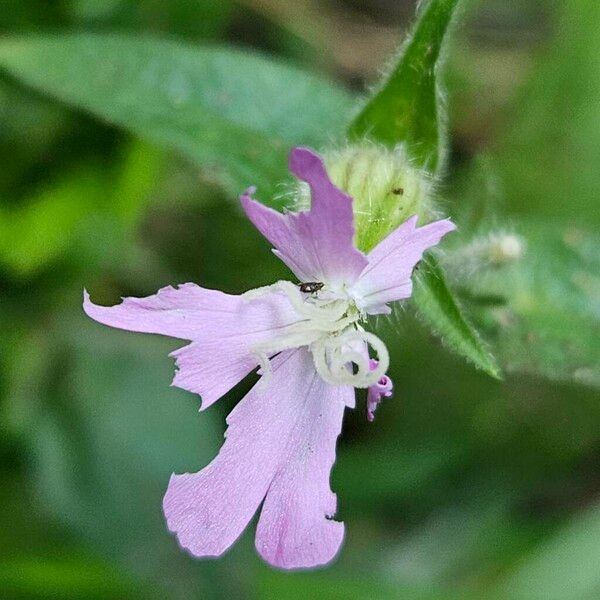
x=248, y=193
x=306, y=164
x=411, y=222
x=448, y=225
x=86, y=302
x=97, y=312
x=302, y=552
x=94, y=311
x=443, y=225
x=387, y=277
x=316, y=244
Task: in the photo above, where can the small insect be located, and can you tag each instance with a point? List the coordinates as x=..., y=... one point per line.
x=398, y=191
x=311, y=287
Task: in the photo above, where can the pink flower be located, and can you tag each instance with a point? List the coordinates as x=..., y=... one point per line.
x=312, y=350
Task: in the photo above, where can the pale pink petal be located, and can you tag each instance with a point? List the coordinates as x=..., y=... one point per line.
x=187, y=311
x=210, y=509
x=212, y=368
x=296, y=527
x=317, y=245
x=223, y=328
x=387, y=277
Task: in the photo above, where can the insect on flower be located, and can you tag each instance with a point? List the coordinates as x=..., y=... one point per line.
x=311, y=287
x=312, y=349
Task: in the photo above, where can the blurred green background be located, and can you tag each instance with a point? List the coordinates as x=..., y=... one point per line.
x=463, y=487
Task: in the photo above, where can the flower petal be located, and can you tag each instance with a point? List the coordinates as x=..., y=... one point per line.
x=388, y=274
x=317, y=245
x=187, y=311
x=222, y=327
x=210, y=509
x=212, y=368
x=296, y=529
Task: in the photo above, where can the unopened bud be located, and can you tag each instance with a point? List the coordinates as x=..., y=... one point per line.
x=492, y=251
x=505, y=248
x=386, y=187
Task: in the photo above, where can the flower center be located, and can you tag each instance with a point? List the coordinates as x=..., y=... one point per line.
x=330, y=327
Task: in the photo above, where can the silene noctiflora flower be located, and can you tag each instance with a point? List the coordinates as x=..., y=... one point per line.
x=312, y=351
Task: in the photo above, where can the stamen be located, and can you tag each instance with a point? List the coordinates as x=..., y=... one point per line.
x=329, y=327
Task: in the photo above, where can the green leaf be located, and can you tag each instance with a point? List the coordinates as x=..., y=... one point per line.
x=274, y=585
x=542, y=313
x=105, y=439
x=60, y=217
x=70, y=578
x=550, y=150
x=439, y=308
x=407, y=107
x=233, y=112
x=563, y=567
x=394, y=472
x=41, y=230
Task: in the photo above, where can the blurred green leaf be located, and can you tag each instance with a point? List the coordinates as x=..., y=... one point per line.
x=437, y=306
x=105, y=438
x=407, y=107
x=542, y=313
x=549, y=154
x=42, y=229
x=70, y=578
x=63, y=216
x=417, y=489
x=452, y=539
x=208, y=19
x=235, y=113
x=40, y=560
x=141, y=169
x=563, y=567
x=299, y=586
x=395, y=472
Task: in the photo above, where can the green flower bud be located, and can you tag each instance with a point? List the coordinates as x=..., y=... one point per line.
x=504, y=249
x=494, y=250
x=386, y=187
